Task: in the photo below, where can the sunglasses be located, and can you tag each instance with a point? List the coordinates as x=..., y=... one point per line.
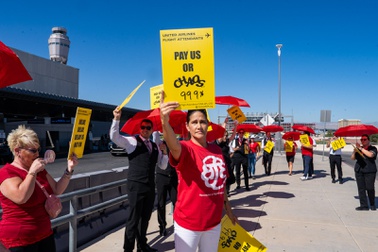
x=146, y=127
x=32, y=150
x=363, y=139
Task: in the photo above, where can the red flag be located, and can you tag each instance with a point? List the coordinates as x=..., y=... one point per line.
x=12, y=71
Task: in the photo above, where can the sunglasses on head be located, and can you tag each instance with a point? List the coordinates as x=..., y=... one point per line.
x=32, y=150
x=146, y=127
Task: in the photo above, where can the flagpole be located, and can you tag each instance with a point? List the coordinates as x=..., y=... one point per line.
x=279, y=93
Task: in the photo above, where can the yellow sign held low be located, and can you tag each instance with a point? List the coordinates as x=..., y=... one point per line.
x=234, y=238
x=338, y=144
x=268, y=146
x=304, y=139
x=289, y=146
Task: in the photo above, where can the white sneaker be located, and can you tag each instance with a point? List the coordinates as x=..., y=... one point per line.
x=304, y=178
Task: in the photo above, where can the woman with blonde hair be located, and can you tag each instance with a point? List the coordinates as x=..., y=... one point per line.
x=25, y=224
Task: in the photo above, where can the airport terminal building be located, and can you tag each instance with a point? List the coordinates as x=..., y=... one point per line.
x=48, y=103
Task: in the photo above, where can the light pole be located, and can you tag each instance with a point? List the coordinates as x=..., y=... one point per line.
x=279, y=92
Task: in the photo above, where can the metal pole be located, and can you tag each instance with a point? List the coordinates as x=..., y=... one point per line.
x=279, y=92
x=324, y=132
x=72, y=234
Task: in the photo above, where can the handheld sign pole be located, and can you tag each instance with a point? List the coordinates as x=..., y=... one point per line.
x=128, y=98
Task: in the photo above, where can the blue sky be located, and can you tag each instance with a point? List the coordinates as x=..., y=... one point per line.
x=329, y=58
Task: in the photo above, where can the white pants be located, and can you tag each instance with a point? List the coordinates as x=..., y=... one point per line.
x=188, y=241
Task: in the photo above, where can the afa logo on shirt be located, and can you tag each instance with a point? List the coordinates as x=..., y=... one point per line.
x=213, y=172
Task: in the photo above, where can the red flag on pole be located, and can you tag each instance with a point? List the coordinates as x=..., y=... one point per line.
x=12, y=71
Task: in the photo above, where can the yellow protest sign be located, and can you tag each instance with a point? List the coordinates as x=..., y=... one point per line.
x=304, y=140
x=209, y=128
x=236, y=114
x=338, y=144
x=128, y=98
x=79, y=133
x=342, y=142
x=155, y=96
x=188, y=67
x=268, y=146
x=289, y=146
x=234, y=238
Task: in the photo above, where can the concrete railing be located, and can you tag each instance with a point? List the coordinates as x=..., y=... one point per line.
x=75, y=214
x=94, y=203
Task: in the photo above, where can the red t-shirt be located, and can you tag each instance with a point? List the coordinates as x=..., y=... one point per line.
x=306, y=151
x=202, y=176
x=26, y=223
x=253, y=147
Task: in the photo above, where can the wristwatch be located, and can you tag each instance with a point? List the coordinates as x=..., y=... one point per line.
x=68, y=173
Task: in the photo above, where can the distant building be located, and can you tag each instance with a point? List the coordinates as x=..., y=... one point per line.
x=262, y=119
x=346, y=122
x=49, y=77
x=48, y=103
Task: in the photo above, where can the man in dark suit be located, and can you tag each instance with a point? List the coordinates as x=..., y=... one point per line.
x=166, y=184
x=240, y=158
x=143, y=156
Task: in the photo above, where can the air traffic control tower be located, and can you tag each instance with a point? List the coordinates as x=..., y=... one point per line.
x=59, y=45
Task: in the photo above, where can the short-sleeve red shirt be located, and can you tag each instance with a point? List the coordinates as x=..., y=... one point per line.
x=26, y=223
x=202, y=175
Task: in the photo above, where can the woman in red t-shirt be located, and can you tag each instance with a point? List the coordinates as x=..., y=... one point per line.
x=254, y=150
x=25, y=224
x=202, y=176
x=290, y=148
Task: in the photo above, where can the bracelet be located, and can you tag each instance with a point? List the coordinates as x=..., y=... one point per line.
x=32, y=173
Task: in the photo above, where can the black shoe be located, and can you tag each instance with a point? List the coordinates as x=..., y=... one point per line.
x=360, y=208
x=147, y=248
x=238, y=187
x=334, y=181
x=247, y=189
x=340, y=181
x=373, y=208
x=163, y=232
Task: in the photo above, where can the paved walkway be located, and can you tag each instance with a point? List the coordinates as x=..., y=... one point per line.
x=287, y=214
